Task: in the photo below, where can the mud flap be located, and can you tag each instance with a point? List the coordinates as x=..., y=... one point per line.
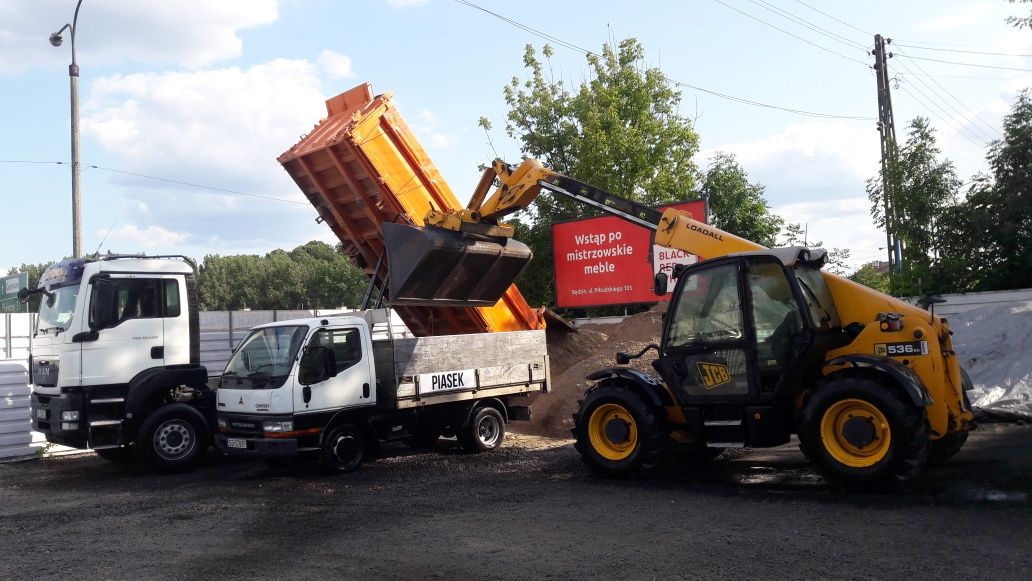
x=433, y=266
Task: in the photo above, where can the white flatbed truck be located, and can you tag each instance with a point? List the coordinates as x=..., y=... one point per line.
x=335, y=387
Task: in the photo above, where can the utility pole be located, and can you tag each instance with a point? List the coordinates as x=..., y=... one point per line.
x=887, y=133
x=73, y=80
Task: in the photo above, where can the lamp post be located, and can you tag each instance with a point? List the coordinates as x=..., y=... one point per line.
x=73, y=79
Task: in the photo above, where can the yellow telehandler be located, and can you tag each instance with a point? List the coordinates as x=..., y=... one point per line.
x=757, y=343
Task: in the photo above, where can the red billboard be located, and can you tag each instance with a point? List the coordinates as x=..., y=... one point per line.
x=610, y=261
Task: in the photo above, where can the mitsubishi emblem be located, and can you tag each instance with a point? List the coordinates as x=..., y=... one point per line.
x=241, y=400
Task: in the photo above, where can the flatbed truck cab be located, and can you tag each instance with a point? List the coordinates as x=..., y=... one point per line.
x=115, y=360
x=335, y=387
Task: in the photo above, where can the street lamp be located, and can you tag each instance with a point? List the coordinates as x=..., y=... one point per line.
x=73, y=77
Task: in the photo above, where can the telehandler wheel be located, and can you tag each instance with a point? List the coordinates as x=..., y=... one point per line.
x=173, y=438
x=485, y=431
x=343, y=449
x=861, y=433
x=618, y=433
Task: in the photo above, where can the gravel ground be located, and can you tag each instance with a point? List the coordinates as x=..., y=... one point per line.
x=527, y=511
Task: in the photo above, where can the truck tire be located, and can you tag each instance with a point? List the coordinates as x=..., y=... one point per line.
x=343, y=449
x=485, y=431
x=120, y=455
x=173, y=438
x=618, y=433
x=862, y=433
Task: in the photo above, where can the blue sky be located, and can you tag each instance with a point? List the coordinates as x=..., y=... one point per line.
x=210, y=93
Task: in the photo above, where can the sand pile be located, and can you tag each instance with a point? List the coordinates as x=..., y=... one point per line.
x=573, y=356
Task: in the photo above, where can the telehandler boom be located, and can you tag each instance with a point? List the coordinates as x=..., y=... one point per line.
x=757, y=344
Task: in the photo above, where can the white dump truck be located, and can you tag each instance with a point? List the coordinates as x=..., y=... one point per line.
x=333, y=388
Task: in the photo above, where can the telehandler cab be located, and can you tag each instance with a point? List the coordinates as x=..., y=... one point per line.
x=756, y=345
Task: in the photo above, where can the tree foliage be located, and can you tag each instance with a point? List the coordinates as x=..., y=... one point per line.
x=737, y=206
x=620, y=130
x=34, y=271
x=921, y=188
x=1017, y=21
x=314, y=275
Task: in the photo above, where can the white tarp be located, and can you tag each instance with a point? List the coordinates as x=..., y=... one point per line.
x=994, y=343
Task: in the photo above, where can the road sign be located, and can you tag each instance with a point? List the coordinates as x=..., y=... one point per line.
x=9, y=287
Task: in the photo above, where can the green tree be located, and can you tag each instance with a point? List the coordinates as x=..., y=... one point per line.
x=998, y=210
x=1017, y=21
x=620, y=130
x=922, y=186
x=737, y=206
x=870, y=277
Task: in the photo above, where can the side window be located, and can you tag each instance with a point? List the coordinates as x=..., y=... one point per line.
x=172, y=298
x=137, y=298
x=708, y=309
x=345, y=343
x=775, y=313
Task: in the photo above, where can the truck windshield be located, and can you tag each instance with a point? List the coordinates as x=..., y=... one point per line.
x=56, y=315
x=264, y=358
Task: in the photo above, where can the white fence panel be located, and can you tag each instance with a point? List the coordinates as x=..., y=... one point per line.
x=15, y=427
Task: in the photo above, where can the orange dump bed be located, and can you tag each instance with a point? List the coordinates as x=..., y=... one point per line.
x=362, y=167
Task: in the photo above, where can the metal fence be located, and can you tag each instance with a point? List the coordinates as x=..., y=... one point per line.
x=15, y=438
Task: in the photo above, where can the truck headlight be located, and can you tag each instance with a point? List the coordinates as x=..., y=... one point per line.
x=70, y=416
x=223, y=424
x=278, y=427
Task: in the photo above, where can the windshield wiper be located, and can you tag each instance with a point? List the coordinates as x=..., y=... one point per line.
x=58, y=329
x=827, y=315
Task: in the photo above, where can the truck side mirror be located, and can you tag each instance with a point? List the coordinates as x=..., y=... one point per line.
x=103, y=304
x=23, y=295
x=317, y=364
x=660, y=284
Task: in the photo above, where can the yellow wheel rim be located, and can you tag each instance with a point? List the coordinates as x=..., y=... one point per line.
x=856, y=433
x=612, y=431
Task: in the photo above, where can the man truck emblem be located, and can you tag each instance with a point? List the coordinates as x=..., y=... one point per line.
x=713, y=374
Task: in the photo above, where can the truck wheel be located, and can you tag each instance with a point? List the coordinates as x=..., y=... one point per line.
x=861, y=433
x=485, y=431
x=173, y=438
x=343, y=449
x=120, y=455
x=618, y=433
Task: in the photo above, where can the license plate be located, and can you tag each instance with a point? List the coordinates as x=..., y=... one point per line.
x=236, y=443
x=41, y=414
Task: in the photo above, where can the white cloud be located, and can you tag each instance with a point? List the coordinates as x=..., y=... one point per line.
x=839, y=223
x=399, y=4
x=962, y=17
x=191, y=33
x=213, y=127
x=428, y=129
x=131, y=236
x=335, y=65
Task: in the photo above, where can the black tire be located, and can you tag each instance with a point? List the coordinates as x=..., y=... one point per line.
x=423, y=438
x=485, y=431
x=173, y=438
x=343, y=449
x=120, y=455
x=895, y=457
x=618, y=433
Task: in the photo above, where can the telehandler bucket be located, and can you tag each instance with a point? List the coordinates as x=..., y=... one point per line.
x=433, y=266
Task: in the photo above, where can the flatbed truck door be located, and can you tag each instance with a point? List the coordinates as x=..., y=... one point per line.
x=353, y=385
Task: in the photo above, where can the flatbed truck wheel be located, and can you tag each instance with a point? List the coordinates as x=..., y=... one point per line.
x=862, y=433
x=173, y=438
x=485, y=431
x=343, y=449
x=618, y=433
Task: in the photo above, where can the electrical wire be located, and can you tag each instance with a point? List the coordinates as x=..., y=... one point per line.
x=161, y=179
x=798, y=20
x=945, y=120
x=576, y=48
x=992, y=129
x=924, y=58
x=835, y=19
x=796, y=36
x=983, y=52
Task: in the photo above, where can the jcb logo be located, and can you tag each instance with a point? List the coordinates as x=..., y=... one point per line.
x=713, y=374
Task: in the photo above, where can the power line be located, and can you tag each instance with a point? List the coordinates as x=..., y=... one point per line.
x=961, y=51
x=574, y=47
x=835, y=19
x=819, y=30
x=954, y=97
x=796, y=36
x=940, y=117
x=161, y=179
x=924, y=58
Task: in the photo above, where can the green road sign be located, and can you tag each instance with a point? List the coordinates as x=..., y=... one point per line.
x=9, y=287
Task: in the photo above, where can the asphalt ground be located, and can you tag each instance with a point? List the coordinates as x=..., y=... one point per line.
x=530, y=510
